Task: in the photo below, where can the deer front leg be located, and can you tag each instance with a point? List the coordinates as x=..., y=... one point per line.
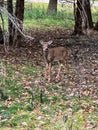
x=49, y=75
x=46, y=70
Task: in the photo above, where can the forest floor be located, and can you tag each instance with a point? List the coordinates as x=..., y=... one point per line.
x=71, y=102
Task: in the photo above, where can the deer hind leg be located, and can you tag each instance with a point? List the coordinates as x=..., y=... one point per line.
x=59, y=70
x=48, y=71
x=67, y=66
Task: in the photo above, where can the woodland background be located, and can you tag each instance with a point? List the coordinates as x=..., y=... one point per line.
x=27, y=100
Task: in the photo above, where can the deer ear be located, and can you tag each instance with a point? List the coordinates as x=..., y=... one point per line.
x=50, y=42
x=41, y=42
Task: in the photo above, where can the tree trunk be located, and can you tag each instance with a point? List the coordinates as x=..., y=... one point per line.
x=10, y=25
x=88, y=17
x=78, y=19
x=1, y=2
x=19, y=13
x=52, y=7
x=1, y=36
x=1, y=28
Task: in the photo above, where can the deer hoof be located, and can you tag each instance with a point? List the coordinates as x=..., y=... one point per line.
x=49, y=80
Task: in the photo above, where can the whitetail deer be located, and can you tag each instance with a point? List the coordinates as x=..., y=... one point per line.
x=59, y=54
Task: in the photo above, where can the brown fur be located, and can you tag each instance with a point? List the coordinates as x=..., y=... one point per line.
x=58, y=54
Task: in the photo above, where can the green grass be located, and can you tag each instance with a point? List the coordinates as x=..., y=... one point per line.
x=19, y=110
x=94, y=13
x=35, y=16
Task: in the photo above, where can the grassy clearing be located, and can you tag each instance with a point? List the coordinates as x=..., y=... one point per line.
x=21, y=107
x=94, y=13
x=36, y=16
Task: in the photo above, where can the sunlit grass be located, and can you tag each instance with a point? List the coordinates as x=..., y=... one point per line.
x=35, y=16
x=39, y=18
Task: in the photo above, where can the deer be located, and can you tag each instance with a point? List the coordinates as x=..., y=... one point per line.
x=55, y=54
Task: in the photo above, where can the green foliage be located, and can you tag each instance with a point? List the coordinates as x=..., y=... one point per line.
x=95, y=13
x=36, y=16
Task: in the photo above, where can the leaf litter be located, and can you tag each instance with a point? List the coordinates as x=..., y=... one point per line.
x=75, y=92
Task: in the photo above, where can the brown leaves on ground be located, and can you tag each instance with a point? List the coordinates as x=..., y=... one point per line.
x=81, y=80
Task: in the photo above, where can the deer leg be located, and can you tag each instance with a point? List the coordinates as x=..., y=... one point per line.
x=59, y=70
x=49, y=69
x=67, y=66
x=46, y=70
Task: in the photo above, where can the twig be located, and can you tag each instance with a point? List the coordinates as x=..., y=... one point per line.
x=15, y=22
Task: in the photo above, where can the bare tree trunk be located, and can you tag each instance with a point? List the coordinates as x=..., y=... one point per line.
x=1, y=28
x=52, y=7
x=10, y=25
x=1, y=36
x=88, y=18
x=1, y=2
x=78, y=19
x=19, y=13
